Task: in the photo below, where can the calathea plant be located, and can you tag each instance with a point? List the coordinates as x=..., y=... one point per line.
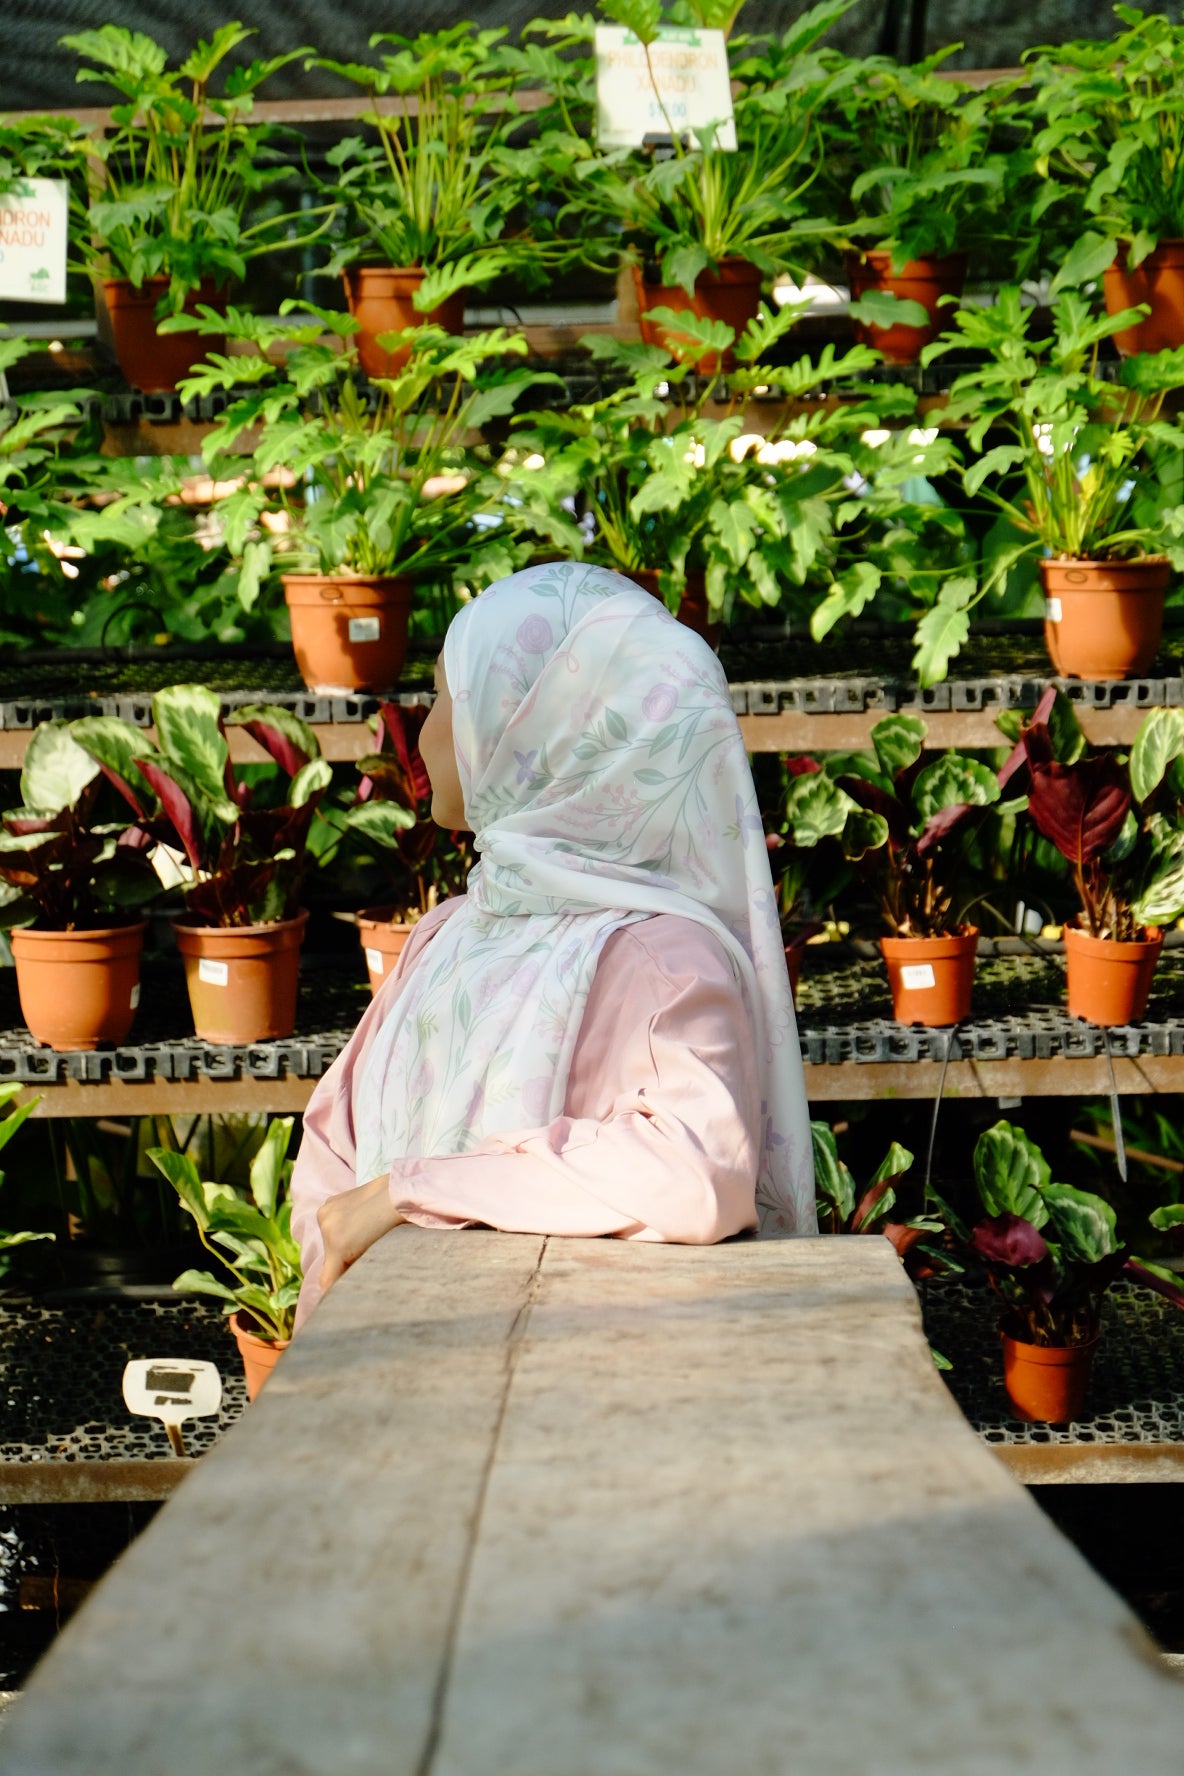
x=243, y=842
x=844, y=1208
x=394, y=811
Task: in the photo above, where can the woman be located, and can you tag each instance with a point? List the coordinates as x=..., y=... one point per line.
x=598, y=1037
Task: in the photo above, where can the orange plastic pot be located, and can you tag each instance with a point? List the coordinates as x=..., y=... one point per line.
x=1103, y=619
x=1109, y=982
x=381, y=299
x=242, y=979
x=692, y=606
x=1047, y=1383
x=1158, y=282
x=382, y=943
x=151, y=361
x=931, y=978
x=78, y=988
x=259, y=1355
x=918, y=280
x=349, y=632
x=732, y=294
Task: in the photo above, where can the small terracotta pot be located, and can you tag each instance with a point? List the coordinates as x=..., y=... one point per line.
x=692, y=607
x=382, y=943
x=918, y=280
x=1158, y=281
x=259, y=1355
x=931, y=978
x=242, y=979
x=381, y=300
x=1047, y=1383
x=78, y=988
x=732, y=295
x=150, y=361
x=349, y=632
x=1109, y=982
x=1103, y=619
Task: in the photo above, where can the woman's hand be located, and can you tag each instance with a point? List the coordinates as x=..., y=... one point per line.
x=350, y=1224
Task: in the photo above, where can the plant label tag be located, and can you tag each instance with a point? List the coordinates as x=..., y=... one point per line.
x=374, y=961
x=172, y=1388
x=34, y=217
x=682, y=86
x=365, y=628
x=1052, y=610
x=135, y=996
x=215, y=974
x=917, y=974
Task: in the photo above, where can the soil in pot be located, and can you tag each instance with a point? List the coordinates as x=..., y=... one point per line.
x=1103, y=619
x=918, y=280
x=732, y=294
x=1158, y=282
x=79, y=988
x=382, y=943
x=1047, y=1384
x=931, y=978
x=349, y=632
x=259, y=1355
x=242, y=979
x=381, y=299
x=150, y=361
x=692, y=607
x=1109, y=982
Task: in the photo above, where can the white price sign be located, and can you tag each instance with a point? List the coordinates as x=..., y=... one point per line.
x=683, y=85
x=34, y=228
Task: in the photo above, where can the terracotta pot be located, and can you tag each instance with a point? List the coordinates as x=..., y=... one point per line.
x=382, y=943
x=381, y=300
x=692, y=607
x=932, y=978
x=79, y=988
x=918, y=280
x=150, y=361
x=1108, y=981
x=732, y=295
x=259, y=1355
x=1103, y=619
x=349, y=632
x=1047, y=1383
x=1159, y=281
x=242, y=978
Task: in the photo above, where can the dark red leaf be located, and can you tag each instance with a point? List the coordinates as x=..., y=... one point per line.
x=1079, y=807
x=178, y=810
x=280, y=746
x=1010, y=1240
x=401, y=726
x=878, y=801
x=801, y=765
x=939, y=826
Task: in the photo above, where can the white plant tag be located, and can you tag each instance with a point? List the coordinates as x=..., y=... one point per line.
x=172, y=1389
x=690, y=71
x=365, y=628
x=917, y=974
x=215, y=974
x=34, y=229
x=374, y=961
x=135, y=996
x=1052, y=610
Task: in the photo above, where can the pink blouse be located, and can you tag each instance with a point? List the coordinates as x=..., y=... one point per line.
x=660, y=1131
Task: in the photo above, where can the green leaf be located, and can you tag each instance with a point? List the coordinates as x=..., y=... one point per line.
x=832, y=1180
x=894, y=1164
x=880, y=308
x=951, y=779
x=1159, y=740
x=1171, y=1215
x=267, y=1167
x=847, y=596
x=189, y=733
x=815, y=809
x=1160, y=896
x=185, y=1179
x=642, y=17
x=310, y=780
x=1064, y=731
x=1011, y=1174
x=993, y=462
x=15, y=1118
x=200, y=1282
x=56, y=769
x=863, y=832
x=899, y=741
x=1084, y=1223
x=1085, y=262
x=943, y=630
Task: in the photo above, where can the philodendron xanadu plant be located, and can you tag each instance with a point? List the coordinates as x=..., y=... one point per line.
x=243, y=842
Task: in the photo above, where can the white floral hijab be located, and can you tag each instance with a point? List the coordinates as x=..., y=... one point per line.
x=605, y=780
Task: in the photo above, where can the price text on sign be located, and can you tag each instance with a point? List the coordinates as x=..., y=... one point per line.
x=34, y=215
x=689, y=70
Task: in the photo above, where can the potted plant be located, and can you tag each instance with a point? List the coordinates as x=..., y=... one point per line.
x=392, y=814
x=912, y=814
x=74, y=889
x=243, y=844
x=170, y=181
x=812, y=808
x=1085, y=476
x=915, y=175
x=432, y=195
x=1118, y=823
x=250, y=1234
x=1111, y=155
x=383, y=492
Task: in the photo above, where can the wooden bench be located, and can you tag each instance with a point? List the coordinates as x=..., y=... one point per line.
x=525, y=1507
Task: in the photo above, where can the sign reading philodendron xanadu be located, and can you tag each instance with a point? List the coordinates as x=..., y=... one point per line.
x=682, y=86
x=34, y=227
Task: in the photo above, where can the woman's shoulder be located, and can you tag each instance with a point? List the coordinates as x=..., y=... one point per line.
x=673, y=945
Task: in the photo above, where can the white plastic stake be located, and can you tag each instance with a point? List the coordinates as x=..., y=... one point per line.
x=172, y=1389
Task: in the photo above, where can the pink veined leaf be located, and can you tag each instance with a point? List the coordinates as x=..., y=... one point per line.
x=1079, y=807
x=22, y=826
x=177, y=809
x=802, y=765
x=134, y=838
x=402, y=728
x=1008, y=1239
x=940, y=825
x=868, y=1201
x=129, y=791
x=281, y=747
